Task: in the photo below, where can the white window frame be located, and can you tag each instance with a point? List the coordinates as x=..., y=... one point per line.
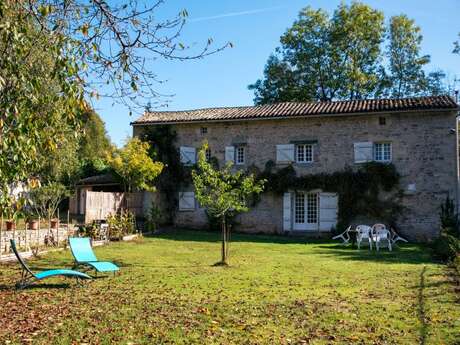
x=379, y=149
x=304, y=153
x=237, y=157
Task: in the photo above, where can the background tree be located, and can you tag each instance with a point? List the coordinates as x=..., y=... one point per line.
x=406, y=66
x=134, y=165
x=340, y=57
x=223, y=192
x=94, y=146
x=39, y=94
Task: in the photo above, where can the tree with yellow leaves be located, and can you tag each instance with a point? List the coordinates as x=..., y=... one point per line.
x=135, y=166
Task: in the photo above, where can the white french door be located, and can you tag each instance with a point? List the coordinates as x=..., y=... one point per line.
x=305, y=211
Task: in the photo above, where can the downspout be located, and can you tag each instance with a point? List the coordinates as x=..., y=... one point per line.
x=457, y=152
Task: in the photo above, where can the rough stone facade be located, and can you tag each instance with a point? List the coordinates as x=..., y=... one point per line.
x=423, y=151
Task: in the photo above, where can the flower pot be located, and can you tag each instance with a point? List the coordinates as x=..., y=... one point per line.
x=32, y=224
x=53, y=223
x=10, y=225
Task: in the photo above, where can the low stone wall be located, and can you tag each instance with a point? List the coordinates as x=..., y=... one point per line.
x=32, y=238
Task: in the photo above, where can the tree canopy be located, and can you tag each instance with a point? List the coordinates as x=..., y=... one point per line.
x=134, y=165
x=57, y=56
x=343, y=56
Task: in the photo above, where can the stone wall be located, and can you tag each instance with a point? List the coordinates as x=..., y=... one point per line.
x=31, y=238
x=423, y=151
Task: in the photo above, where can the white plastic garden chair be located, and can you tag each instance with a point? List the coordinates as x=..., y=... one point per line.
x=381, y=234
x=395, y=237
x=344, y=236
x=363, y=233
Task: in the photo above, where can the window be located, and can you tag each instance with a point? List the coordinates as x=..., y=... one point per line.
x=304, y=153
x=208, y=154
x=186, y=201
x=312, y=210
x=382, y=120
x=239, y=155
x=299, y=208
x=204, y=130
x=382, y=152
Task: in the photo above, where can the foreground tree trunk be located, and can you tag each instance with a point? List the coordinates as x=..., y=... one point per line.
x=224, y=260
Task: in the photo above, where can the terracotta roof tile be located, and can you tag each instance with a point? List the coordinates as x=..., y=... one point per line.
x=292, y=109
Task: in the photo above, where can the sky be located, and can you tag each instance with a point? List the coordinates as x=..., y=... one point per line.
x=254, y=28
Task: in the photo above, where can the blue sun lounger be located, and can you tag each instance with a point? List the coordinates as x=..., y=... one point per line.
x=84, y=255
x=28, y=277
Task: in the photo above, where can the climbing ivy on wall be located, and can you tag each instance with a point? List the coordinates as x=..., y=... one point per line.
x=162, y=141
x=372, y=190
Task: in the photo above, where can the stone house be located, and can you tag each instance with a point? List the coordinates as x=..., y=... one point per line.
x=417, y=135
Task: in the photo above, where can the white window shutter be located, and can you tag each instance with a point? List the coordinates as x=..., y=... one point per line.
x=186, y=201
x=363, y=152
x=285, y=153
x=287, y=212
x=230, y=153
x=187, y=155
x=328, y=207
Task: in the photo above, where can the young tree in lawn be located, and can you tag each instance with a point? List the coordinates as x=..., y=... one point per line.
x=223, y=192
x=134, y=165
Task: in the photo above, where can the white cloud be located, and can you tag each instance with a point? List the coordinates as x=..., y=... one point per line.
x=235, y=14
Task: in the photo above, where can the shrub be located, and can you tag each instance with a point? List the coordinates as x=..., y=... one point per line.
x=153, y=217
x=92, y=230
x=121, y=224
x=446, y=247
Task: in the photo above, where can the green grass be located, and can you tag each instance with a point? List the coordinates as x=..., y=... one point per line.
x=276, y=291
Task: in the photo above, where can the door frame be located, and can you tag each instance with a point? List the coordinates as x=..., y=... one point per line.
x=305, y=226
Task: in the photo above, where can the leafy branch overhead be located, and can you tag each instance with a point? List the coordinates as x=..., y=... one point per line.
x=348, y=55
x=115, y=42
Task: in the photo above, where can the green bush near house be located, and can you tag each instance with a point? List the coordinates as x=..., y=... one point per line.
x=447, y=246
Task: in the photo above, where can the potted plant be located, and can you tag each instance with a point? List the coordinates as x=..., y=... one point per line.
x=13, y=213
x=54, y=223
x=32, y=224
x=31, y=218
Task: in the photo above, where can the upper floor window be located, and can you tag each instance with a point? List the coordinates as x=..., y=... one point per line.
x=304, y=153
x=382, y=120
x=204, y=130
x=208, y=154
x=382, y=152
x=240, y=155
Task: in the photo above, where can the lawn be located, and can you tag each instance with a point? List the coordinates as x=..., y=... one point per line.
x=276, y=291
